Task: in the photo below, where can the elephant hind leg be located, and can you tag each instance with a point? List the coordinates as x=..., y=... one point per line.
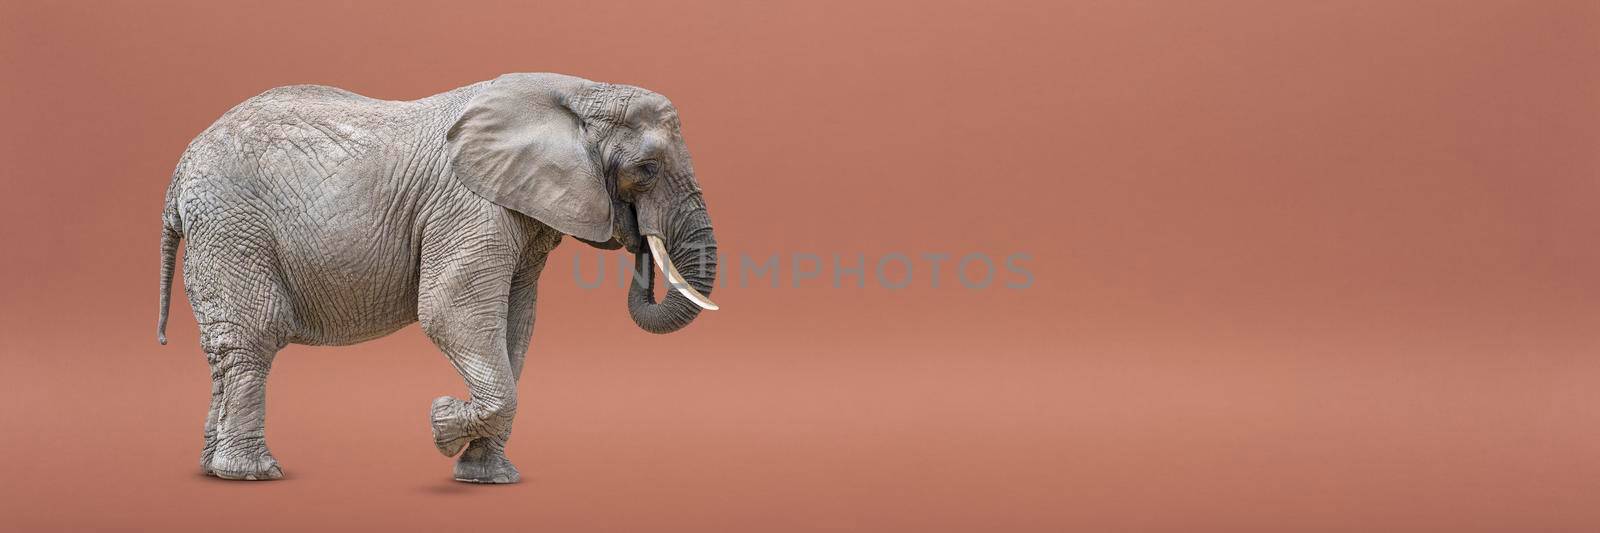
x=236, y=445
x=245, y=317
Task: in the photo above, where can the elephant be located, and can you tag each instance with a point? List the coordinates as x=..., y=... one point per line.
x=317, y=216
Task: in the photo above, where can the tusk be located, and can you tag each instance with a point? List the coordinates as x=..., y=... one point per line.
x=658, y=250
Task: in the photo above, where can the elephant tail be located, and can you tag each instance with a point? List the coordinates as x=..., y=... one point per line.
x=171, y=233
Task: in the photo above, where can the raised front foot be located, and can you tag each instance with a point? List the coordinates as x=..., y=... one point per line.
x=485, y=462
x=260, y=466
x=449, y=419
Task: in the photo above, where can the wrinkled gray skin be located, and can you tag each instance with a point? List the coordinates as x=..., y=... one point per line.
x=318, y=216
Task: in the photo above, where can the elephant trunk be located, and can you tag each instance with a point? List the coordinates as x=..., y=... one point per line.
x=688, y=259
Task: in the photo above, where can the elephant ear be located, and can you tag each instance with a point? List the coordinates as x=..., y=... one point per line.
x=519, y=145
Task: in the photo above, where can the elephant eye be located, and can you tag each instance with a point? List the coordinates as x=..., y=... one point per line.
x=649, y=169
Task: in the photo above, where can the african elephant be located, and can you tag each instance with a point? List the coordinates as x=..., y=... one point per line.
x=318, y=216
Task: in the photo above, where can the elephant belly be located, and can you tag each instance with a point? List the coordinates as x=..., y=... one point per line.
x=351, y=271
x=343, y=299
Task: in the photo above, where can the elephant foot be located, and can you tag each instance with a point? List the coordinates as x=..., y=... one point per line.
x=450, y=431
x=485, y=462
x=244, y=466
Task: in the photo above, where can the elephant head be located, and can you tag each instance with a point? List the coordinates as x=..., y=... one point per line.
x=604, y=163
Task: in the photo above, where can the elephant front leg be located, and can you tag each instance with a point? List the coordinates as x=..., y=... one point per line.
x=472, y=335
x=484, y=460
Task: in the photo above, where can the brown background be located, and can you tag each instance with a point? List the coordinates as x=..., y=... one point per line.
x=1299, y=266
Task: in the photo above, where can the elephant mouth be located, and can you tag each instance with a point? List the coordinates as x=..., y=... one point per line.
x=628, y=236
x=627, y=233
x=603, y=245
